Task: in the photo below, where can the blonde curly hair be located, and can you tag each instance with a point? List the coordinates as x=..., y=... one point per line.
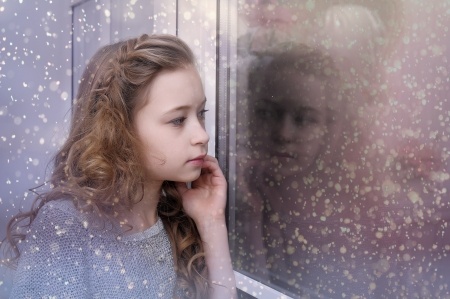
x=100, y=165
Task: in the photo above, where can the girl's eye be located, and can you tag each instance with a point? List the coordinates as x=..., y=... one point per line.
x=202, y=113
x=270, y=113
x=306, y=118
x=178, y=121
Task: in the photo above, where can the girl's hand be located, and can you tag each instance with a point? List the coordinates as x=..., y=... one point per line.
x=206, y=199
x=205, y=204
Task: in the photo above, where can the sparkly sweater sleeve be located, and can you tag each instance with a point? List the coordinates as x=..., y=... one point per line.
x=53, y=259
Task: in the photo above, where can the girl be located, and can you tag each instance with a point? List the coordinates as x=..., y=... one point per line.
x=119, y=220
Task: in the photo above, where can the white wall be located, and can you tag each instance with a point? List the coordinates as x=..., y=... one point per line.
x=35, y=89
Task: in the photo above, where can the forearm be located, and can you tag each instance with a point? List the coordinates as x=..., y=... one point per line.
x=217, y=255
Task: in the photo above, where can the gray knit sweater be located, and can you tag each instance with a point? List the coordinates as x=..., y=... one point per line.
x=69, y=254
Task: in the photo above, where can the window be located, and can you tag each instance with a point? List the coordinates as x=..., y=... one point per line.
x=332, y=127
x=337, y=146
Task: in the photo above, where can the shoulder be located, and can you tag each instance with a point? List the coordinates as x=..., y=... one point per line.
x=63, y=217
x=53, y=258
x=56, y=222
x=65, y=213
x=60, y=212
x=63, y=205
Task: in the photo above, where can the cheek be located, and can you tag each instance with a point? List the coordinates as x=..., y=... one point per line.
x=316, y=133
x=152, y=149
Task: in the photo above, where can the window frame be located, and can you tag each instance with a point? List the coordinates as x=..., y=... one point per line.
x=226, y=133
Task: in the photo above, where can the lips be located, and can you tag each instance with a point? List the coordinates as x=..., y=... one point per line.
x=283, y=155
x=197, y=160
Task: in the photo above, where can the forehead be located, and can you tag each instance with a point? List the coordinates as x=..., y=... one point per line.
x=290, y=78
x=168, y=88
x=168, y=82
x=295, y=89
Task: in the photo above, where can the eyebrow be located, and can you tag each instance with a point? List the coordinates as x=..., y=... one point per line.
x=181, y=108
x=306, y=109
x=302, y=108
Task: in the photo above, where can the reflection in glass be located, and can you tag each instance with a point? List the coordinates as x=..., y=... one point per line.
x=342, y=148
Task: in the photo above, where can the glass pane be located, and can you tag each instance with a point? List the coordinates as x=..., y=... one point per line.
x=91, y=30
x=35, y=92
x=131, y=18
x=342, y=147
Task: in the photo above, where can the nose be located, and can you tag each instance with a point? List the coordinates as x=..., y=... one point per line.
x=199, y=136
x=286, y=129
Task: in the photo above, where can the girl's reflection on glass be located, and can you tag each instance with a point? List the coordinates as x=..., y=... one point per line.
x=294, y=108
x=300, y=133
x=338, y=180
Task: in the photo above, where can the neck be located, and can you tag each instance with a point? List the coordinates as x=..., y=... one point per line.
x=143, y=214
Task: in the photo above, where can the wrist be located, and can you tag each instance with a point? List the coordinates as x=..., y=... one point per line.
x=211, y=223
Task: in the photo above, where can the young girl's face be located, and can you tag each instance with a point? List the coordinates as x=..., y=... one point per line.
x=171, y=126
x=292, y=116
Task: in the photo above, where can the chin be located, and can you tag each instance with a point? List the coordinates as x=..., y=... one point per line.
x=188, y=178
x=287, y=171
